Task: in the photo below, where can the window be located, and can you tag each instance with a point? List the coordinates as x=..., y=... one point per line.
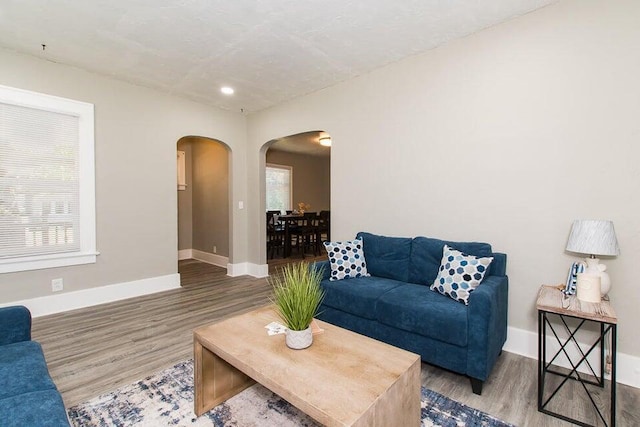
x=182, y=180
x=279, y=187
x=47, y=181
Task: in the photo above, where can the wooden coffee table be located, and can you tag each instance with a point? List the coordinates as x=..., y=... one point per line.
x=343, y=379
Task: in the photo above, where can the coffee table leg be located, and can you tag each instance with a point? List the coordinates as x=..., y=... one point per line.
x=399, y=406
x=214, y=379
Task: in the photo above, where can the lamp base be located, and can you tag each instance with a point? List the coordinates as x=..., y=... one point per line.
x=588, y=287
x=594, y=267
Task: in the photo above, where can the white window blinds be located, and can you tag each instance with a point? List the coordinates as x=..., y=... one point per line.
x=278, y=192
x=42, y=211
x=38, y=182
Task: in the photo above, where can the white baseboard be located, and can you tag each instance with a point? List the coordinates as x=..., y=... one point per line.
x=259, y=270
x=233, y=270
x=66, y=301
x=209, y=258
x=247, y=268
x=525, y=343
x=185, y=254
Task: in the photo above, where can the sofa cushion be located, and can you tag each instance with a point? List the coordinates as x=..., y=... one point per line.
x=23, y=369
x=357, y=296
x=426, y=254
x=347, y=259
x=16, y=324
x=415, y=308
x=460, y=274
x=387, y=257
x=39, y=408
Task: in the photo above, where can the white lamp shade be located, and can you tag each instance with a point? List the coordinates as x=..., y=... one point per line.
x=593, y=237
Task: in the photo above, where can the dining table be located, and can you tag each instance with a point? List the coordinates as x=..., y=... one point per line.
x=288, y=221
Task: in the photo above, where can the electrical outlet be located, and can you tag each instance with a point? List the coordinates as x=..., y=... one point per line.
x=215, y=250
x=57, y=285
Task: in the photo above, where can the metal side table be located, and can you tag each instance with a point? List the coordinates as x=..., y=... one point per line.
x=551, y=303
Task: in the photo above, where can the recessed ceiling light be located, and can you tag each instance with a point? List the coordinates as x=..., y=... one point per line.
x=326, y=141
x=227, y=90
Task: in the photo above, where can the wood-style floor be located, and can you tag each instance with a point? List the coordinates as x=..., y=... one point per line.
x=97, y=349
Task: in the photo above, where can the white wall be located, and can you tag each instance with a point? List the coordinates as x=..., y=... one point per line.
x=505, y=136
x=136, y=133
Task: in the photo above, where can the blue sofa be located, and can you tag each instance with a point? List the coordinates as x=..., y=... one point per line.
x=28, y=396
x=396, y=305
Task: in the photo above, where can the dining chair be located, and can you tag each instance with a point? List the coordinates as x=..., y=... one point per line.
x=275, y=235
x=324, y=226
x=306, y=234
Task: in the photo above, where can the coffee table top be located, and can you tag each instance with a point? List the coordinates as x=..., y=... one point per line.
x=338, y=377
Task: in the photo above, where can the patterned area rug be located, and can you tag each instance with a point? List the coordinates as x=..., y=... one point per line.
x=166, y=399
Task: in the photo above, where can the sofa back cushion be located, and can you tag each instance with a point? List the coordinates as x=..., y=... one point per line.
x=387, y=257
x=426, y=254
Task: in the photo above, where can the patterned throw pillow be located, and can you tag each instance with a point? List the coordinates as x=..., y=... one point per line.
x=346, y=259
x=459, y=274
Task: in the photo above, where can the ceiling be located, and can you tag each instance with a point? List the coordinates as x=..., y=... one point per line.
x=270, y=51
x=307, y=143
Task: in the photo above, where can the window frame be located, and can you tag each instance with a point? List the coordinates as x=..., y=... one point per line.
x=285, y=167
x=86, y=180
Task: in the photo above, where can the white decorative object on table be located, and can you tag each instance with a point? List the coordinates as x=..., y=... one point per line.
x=588, y=288
x=298, y=340
x=275, y=328
x=594, y=237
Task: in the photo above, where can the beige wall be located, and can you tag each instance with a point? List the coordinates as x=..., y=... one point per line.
x=504, y=136
x=136, y=132
x=311, y=178
x=210, y=197
x=203, y=208
x=185, y=199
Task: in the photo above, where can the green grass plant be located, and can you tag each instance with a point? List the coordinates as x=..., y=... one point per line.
x=297, y=294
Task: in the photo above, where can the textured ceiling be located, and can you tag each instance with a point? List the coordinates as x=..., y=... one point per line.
x=268, y=50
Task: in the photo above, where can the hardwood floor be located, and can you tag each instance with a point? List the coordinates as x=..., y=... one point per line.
x=97, y=349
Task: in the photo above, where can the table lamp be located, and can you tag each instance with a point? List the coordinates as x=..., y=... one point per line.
x=594, y=238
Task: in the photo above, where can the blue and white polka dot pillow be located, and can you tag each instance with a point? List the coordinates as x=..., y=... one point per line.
x=346, y=259
x=459, y=274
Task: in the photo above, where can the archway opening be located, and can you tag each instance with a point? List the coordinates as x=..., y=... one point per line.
x=204, y=214
x=297, y=180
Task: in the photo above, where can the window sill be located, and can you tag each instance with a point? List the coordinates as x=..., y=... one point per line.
x=47, y=261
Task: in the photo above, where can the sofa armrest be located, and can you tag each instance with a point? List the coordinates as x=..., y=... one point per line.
x=324, y=266
x=487, y=317
x=15, y=324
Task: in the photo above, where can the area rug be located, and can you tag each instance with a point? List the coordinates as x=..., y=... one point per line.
x=166, y=399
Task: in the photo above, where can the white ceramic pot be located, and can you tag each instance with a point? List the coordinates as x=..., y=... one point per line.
x=298, y=340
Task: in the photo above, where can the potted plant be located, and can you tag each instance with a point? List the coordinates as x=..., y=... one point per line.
x=297, y=295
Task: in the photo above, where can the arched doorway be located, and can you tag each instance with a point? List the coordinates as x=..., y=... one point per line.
x=297, y=175
x=204, y=217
